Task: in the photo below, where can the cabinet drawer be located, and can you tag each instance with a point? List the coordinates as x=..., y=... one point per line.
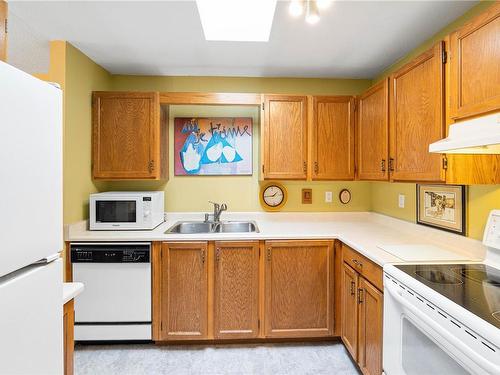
x=370, y=271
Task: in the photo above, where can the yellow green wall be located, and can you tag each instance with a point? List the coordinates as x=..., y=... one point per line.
x=481, y=198
x=82, y=77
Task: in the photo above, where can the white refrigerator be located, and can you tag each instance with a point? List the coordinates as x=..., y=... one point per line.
x=31, y=333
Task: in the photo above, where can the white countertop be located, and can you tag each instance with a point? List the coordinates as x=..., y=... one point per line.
x=363, y=231
x=71, y=290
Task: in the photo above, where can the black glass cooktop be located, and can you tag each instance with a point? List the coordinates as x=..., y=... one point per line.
x=476, y=287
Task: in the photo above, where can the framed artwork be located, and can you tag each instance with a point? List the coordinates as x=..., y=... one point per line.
x=442, y=206
x=213, y=146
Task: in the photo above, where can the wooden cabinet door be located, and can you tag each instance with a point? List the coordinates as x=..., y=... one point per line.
x=373, y=133
x=298, y=288
x=417, y=118
x=475, y=65
x=184, y=290
x=370, y=311
x=333, y=138
x=126, y=135
x=3, y=30
x=285, y=137
x=68, y=336
x=236, y=287
x=349, y=310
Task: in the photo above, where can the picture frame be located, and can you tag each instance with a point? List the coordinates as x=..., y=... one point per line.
x=213, y=146
x=442, y=207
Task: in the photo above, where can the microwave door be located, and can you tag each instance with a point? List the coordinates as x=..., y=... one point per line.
x=122, y=213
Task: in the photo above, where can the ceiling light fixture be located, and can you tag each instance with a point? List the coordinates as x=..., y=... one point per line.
x=310, y=7
x=236, y=20
x=296, y=8
x=312, y=13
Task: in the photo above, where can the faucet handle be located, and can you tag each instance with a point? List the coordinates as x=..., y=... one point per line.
x=216, y=205
x=223, y=207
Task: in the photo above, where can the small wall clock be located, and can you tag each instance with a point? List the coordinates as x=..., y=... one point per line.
x=345, y=196
x=273, y=196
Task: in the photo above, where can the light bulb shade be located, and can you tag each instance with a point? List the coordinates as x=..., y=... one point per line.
x=296, y=8
x=312, y=13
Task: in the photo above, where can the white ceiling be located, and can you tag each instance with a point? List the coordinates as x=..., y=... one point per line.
x=354, y=39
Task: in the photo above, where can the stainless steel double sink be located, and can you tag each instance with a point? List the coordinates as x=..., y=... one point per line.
x=200, y=227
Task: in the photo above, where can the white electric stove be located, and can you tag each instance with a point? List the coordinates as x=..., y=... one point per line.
x=444, y=318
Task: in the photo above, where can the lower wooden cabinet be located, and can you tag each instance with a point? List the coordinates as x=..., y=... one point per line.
x=184, y=293
x=371, y=306
x=362, y=309
x=68, y=336
x=236, y=290
x=224, y=289
x=349, y=310
x=298, y=288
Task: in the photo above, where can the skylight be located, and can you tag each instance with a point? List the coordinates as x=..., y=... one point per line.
x=237, y=20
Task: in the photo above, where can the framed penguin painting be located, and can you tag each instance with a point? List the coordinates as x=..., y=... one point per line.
x=216, y=146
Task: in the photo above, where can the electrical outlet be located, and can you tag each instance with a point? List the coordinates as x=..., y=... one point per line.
x=401, y=201
x=328, y=197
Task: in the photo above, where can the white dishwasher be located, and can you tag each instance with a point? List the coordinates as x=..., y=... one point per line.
x=116, y=305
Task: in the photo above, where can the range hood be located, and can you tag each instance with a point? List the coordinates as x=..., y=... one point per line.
x=477, y=136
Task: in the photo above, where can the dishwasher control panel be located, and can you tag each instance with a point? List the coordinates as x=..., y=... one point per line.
x=110, y=253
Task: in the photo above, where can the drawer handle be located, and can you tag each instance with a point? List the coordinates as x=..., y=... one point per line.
x=353, y=288
x=357, y=263
x=360, y=296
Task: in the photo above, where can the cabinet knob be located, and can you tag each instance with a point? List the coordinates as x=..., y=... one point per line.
x=203, y=256
x=217, y=254
x=316, y=167
x=353, y=288
x=269, y=253
x=382, y=165
x=151, y=166
x=304, y=166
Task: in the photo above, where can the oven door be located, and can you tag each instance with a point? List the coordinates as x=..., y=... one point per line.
x=115, y=213
x=416, y=344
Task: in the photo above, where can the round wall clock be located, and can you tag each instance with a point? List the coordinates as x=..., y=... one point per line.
x=345, y=196
x=273, y=196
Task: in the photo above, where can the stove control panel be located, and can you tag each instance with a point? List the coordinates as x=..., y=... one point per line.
x=492, y=230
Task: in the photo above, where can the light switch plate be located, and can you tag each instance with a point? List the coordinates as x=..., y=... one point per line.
x=328, y=197
x=401, y=202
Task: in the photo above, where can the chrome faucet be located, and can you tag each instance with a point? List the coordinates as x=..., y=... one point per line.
x=218, y=208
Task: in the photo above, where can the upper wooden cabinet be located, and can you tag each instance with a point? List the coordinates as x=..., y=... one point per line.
x=475, y=66
x=183, y=291
x=417, y=118
x=285, y=137
x=333, y=138
x=130, y=136
x=298, y=288
x=236, y=290
x=373, y=133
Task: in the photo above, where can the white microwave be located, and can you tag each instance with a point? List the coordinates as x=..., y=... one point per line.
x=126, y=210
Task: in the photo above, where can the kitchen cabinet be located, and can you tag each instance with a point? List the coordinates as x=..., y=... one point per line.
x=129, y=137
x=3, y=30
x=349, y=310
x=68, y=336
x=373, y=133
x=474, y=66
x=362, y=309
x=371, y=306
x=284, y=137
x=236, y=290
x=184, y=291
x=417, y=118
x=333, y=137
x=298, y=289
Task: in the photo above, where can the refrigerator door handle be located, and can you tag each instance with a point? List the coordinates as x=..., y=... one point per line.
x=49, y=259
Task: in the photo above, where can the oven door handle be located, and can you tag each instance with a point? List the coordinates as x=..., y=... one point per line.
x=476, y=358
